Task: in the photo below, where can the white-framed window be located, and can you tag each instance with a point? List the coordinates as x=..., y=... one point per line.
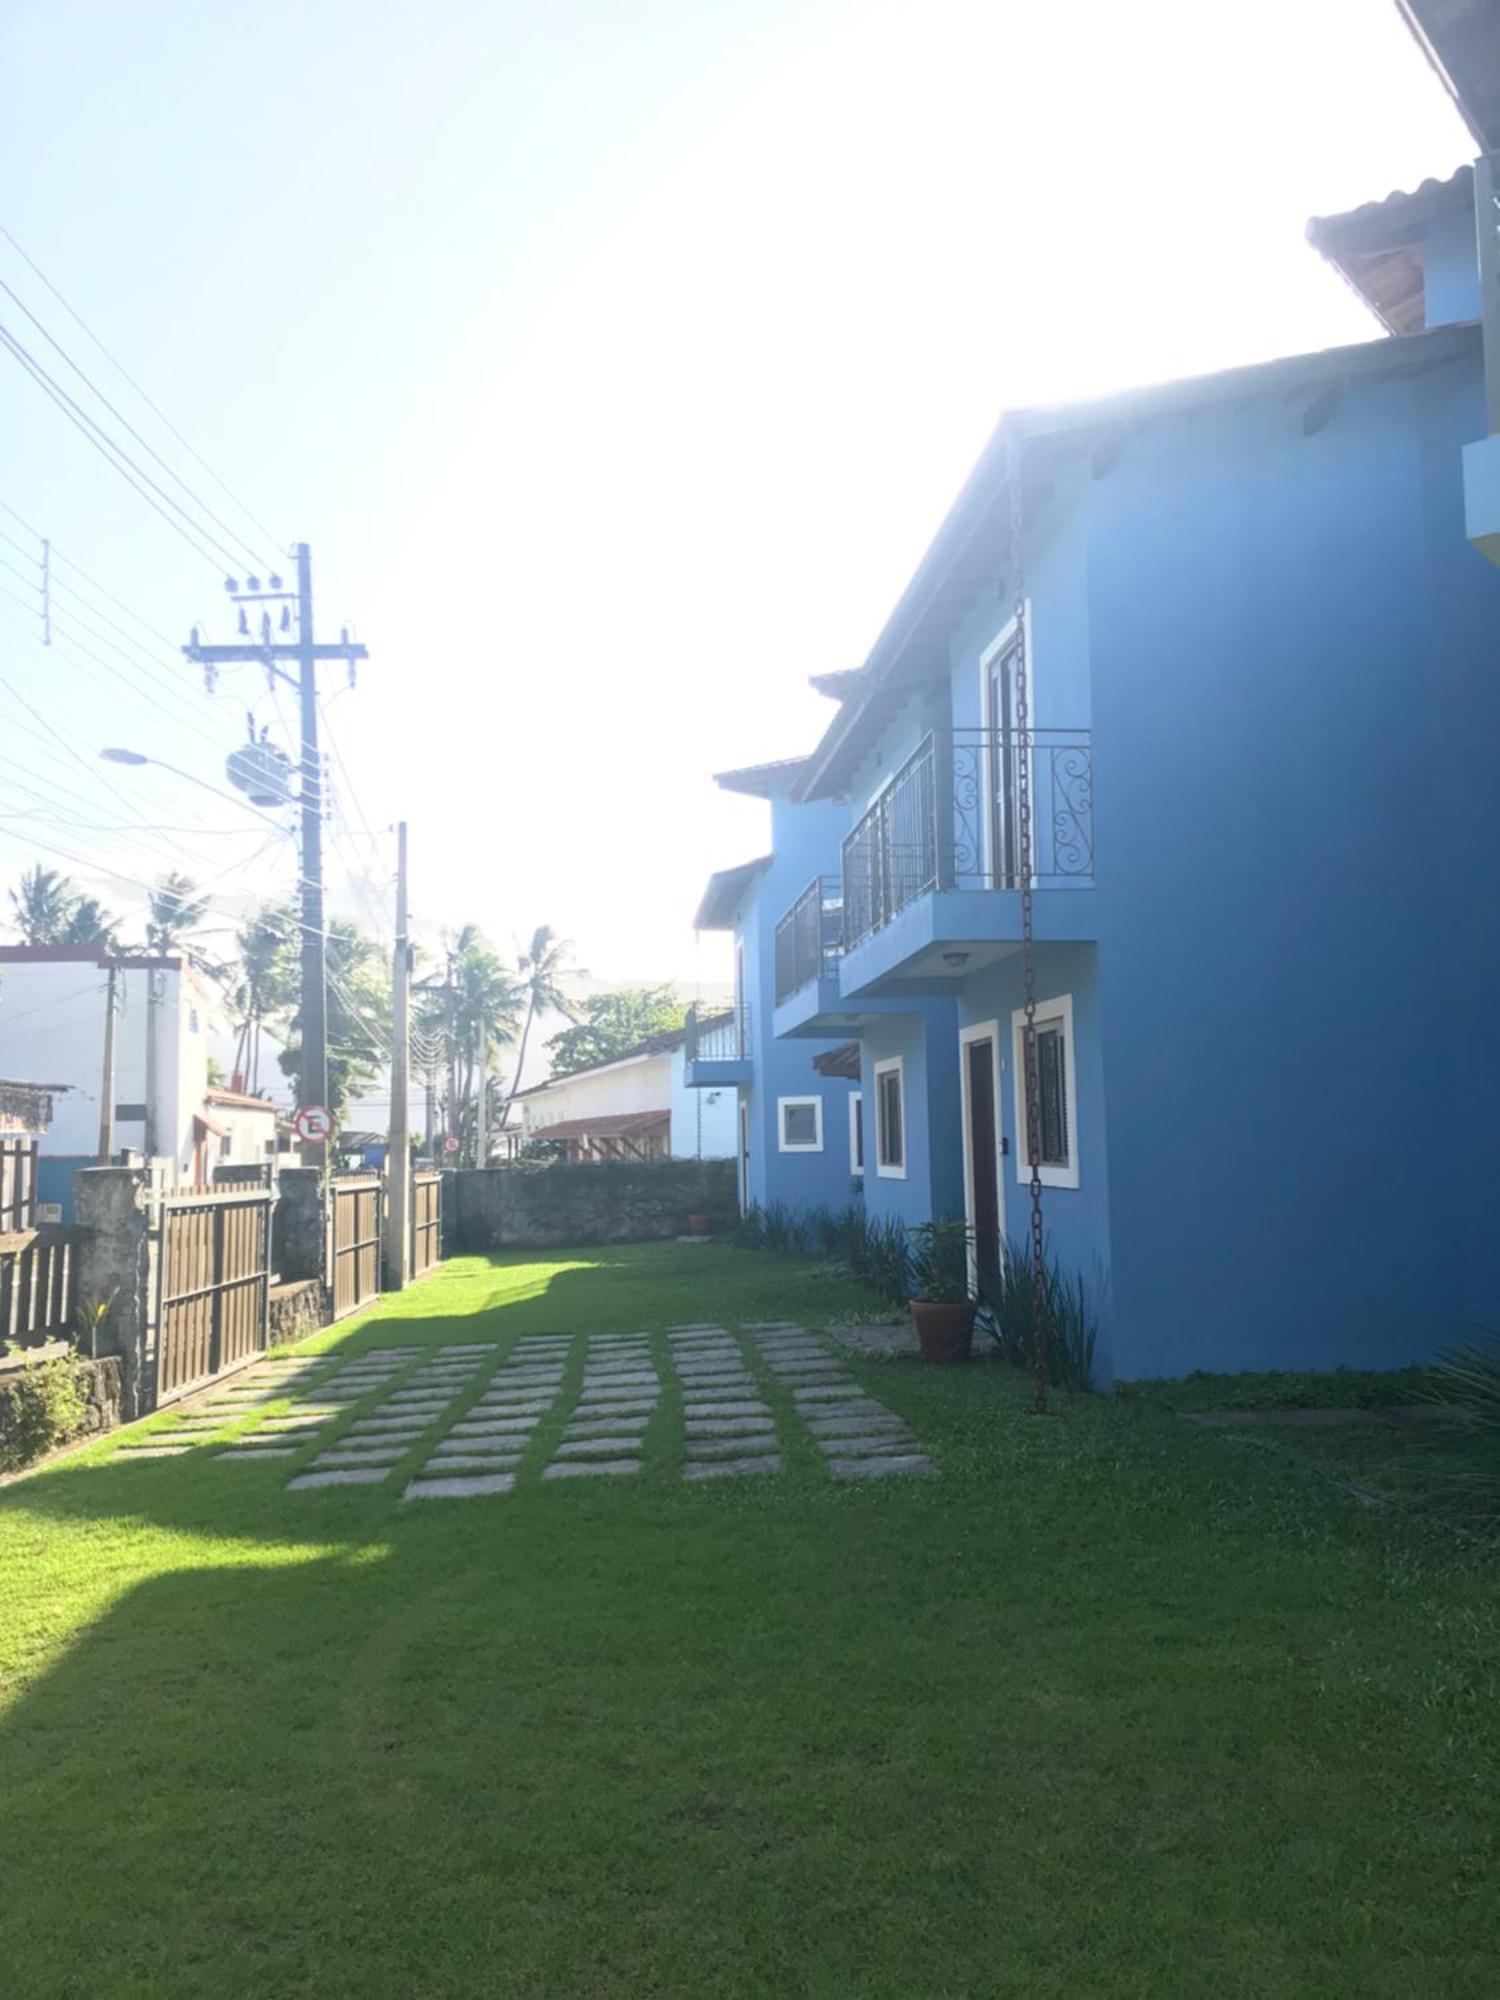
x=856, y=1132
x=799, y=1124
x=890, y=1119
x=1057, y=1093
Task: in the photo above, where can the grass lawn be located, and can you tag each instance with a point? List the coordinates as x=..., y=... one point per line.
x=1110, y=1707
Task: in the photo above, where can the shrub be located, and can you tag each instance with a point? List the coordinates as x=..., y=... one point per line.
x=881, y=1257
x=938, y=1262
x=44, y=1406
x=1009, y=1316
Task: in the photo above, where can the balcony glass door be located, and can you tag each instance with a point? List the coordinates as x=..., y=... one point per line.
x=1004, y=774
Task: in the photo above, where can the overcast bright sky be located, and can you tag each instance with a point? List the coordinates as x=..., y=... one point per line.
x=618, y=362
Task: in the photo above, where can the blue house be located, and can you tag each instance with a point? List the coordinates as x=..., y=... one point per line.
x=799, y=1137
x=1227, y=644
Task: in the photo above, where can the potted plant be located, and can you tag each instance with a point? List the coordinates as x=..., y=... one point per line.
x=941, y=1295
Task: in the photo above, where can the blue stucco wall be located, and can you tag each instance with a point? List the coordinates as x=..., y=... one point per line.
x=1296, y=688
x=1450, y=268
x=926, y=1040
x=805, y=841
x=1077, y=1220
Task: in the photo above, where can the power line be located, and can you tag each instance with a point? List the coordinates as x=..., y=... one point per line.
x=111, y=452
x=125, y=376
x=145, y=444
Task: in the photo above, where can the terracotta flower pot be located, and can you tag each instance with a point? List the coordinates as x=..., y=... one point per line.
x=697, y=1225
x=945, y=1331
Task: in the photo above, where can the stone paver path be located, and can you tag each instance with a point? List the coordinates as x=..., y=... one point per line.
x=727, y=1406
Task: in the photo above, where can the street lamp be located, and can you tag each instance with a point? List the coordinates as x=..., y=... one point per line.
x=115, y=755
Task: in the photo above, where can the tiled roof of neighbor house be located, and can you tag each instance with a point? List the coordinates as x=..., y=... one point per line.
x=27, y=1107
x=604, y=1125
x=962, y=558
x=837, y=685
x=662, y=1043
x=237, y=1100
x=1461, y=39
x=842, y=1061
x=726, y=889
x=89, y=954
x=761, y=780
x=1378, y=246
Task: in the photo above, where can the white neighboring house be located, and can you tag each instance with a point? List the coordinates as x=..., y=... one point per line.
x=636, y=1106
x=242, y=1128
x=53, y=1001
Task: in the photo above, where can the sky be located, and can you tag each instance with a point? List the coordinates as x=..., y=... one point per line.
x=617, y=362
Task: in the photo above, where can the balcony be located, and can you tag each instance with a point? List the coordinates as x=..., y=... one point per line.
x=716, y=1048
x=932, y=873
x=809, y=944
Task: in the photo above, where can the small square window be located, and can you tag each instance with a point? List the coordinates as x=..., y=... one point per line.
x=801, y=1120
x=890, y=1120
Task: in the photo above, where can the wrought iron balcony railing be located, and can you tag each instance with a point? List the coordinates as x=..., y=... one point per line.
x=810, y=937
x=950, y=819
x=720, y=1036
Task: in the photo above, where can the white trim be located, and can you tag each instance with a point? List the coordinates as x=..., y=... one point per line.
x=982, y=1031
x=783, y=1105
x=996, y=649
x=889, y=1173
x=1048, y=1013
x=856, y=1134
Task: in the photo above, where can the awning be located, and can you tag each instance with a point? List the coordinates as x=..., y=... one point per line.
x=204, y=1127
x=608, y=1125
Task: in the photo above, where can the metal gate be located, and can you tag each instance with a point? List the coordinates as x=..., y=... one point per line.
x=426, y=1222
x=356, y=1214
x=213, y=1286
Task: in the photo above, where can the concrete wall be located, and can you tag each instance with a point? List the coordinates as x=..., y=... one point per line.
x=926, y=1043
x=52, y=1028
x=806, y=843
x=533, y=1204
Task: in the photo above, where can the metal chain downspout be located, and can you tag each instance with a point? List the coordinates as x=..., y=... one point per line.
x=1026, y=844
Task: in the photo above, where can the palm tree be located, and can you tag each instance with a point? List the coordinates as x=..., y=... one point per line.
x=481, y=1015
x=267, y=981
x=543, y=966
x=42, y=906
x=91, y=924
x=177, y=908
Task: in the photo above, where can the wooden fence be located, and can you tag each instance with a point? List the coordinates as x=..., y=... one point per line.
x=356, y=1214
x=38, y=1286
x=426, y=1222
x=214, y=1286
x=17, y=1184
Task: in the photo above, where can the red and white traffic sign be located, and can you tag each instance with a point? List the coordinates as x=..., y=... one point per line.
x=452, y=1143
x=313, y=1123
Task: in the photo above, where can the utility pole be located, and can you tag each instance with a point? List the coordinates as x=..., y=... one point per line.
x=107, y=1078
x=398, y=1143
x=264, y=650
x=312, y=1083
x=482, y=1109
x=151, y=1137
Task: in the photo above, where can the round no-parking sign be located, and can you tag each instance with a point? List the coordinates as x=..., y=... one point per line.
x=313, y=1123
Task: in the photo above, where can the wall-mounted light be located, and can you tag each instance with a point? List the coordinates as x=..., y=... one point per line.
x=957, y=959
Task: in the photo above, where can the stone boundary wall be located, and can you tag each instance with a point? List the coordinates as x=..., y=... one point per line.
x=102, y=1385
x=536, y=1204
